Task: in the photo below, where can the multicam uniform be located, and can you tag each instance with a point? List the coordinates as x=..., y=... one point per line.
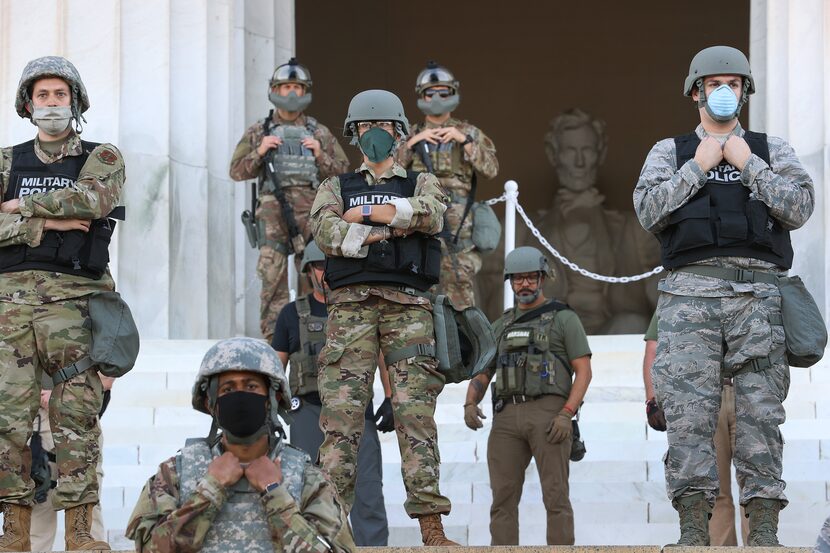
x=42, y=315
x=713, y=327
x=299, y=175
x=454, y=169
x=182, y=508
x=365, y=318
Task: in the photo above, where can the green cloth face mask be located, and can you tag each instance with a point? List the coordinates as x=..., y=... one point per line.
x=376, y=144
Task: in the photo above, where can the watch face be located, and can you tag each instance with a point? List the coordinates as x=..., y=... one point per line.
x=366, y=210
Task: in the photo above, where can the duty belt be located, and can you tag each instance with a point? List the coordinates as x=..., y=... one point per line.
x=735, y=275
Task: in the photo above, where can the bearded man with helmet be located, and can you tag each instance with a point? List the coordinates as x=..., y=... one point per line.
x=378, y=227
x=60, y=196
x=722, y=201
x=244, y=488
x=542, y=371
x=289, y=153
x=456, y=152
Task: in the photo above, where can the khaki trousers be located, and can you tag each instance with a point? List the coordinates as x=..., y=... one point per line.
x=519, y=434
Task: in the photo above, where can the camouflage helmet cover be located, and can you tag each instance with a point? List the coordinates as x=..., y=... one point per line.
x=718, y=60
x=311, y=254
x=525, y=260
x=291, y=72
x=51, y=66
x=241, y=354
x=435, y=75
x=375, y=105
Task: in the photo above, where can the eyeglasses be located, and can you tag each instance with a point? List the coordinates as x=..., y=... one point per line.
x=530, y=279
x=364, y=126
x=443, y=93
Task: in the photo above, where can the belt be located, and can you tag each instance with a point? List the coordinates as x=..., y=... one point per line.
x=736, y=275
x=517, y=399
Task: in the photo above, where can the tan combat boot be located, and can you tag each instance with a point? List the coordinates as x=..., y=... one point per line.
x=432, y=531
x=695, y=513
x=17, y=521
x=763, y=521
x=78, y=530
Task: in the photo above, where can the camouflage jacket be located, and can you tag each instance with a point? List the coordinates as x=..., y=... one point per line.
x=246, y=163
x=784, y=186
x=96, y=192
x=330, y=230
x=159, y=524
x=482, y=159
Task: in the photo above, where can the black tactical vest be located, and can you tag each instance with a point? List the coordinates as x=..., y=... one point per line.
x=72, y=252
x=303, y=374
x=721, y=220
x=414, y=261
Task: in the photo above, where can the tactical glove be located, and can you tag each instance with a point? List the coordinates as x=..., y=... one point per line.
x=560, y=427
x=473, y=416
x=384, y=412
x=656, y=416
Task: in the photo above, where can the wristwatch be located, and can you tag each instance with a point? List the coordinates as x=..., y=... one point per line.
x=468, y=140
x=270, y=487
x=366, y=211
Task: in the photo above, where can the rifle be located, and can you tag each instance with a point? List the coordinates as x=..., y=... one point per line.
x=296, y=242
x=249, y=220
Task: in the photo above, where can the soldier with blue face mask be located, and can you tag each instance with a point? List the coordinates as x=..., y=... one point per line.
x=722, y=201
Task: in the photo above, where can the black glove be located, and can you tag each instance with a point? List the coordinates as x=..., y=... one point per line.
x=656, y=416
x=384, y=412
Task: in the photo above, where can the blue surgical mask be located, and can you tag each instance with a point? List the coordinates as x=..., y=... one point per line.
x=722, y=104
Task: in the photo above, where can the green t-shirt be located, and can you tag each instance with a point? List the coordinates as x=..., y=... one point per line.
x=651, y=333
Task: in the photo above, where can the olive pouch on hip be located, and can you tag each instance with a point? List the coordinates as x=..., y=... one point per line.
x=486, y=228
x=115, y=340
x=804, y=327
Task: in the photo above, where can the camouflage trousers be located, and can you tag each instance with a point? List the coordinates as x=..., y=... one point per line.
x=33, y=339
x=700, y=340
x=458, y=275
x=272, y=267
x=357, y=331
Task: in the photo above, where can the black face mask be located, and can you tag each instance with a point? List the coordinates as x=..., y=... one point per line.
x=241, y=414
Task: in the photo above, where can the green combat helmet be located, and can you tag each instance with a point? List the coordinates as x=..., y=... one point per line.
x=291, y=72
x=526, y=260
x=719, y=60
x=52, y=66
x=375, y=105
x=242, y=354
x=436, y=75
x=311, y=254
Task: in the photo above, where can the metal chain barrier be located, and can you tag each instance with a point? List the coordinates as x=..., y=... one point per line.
x=565, y=261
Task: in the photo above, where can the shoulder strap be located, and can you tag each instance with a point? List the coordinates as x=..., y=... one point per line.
x=553, y=305
x=758, y=144
x=89, y=146
x=268, y=122
x=310, y=124
x=685, y=146
x=412, y=177
x=303, y=308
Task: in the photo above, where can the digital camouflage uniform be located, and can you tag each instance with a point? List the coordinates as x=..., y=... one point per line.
x=42, y=316
x=363, y=320
x=454, y=169
x=246, y=164
x=709, y=325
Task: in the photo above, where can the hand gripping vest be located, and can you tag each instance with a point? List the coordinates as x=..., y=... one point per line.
x=303, y=374
x=294, y=164
x=525, y=364
x=414, y=261
x=722, y=219
x=241, y=524
x=72, y=252
x=447, y=161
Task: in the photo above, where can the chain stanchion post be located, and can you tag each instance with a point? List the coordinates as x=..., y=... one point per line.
x=292, y=278
x=511, y=194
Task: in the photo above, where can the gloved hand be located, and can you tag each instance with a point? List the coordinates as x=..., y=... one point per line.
x=656, y=416
x=384, y=412
x=560, y=427
x=473, y=416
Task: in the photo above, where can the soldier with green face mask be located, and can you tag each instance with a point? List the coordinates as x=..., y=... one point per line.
x=299, y=152
x=454, y=151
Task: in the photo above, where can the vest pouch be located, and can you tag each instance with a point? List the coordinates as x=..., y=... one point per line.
x=48, y=248
x=691, y=226
x=97, y=256
x=510, y=374
x=760, y=224
x=442, y=159
x=536, y=367
x=382, y=256
x=486, y=228
x=732, y=228
x=70, y=250
x=431, y=263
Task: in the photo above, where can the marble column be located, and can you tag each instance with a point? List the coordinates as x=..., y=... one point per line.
x=790, y=54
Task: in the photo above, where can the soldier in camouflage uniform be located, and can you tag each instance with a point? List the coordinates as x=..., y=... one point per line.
x=244, y=490
x=722, y=202
x=454, y=151
x=303, y=152
x=823, y=541
x=57, y=193
x=377, y=227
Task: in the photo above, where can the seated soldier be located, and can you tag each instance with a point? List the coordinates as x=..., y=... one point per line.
x=245, y=489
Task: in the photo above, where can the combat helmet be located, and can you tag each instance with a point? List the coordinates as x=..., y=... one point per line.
x=526, y=259
x=436, y=75
x=719, y=60
x=311, y=254
x=52, y=66
x=242, y=354
x=291, y=72
x=375, y=105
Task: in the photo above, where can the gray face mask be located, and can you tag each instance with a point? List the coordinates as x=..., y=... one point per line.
x=438, y=105
x=292, y=102
x=52, y=120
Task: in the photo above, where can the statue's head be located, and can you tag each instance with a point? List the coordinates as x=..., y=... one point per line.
x=576, y=146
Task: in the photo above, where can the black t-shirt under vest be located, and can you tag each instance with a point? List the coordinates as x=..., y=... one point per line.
x=72, y=252
x=414, y=261
x=721, y=220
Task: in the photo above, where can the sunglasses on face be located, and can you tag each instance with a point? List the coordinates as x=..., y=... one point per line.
x=442, y=93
